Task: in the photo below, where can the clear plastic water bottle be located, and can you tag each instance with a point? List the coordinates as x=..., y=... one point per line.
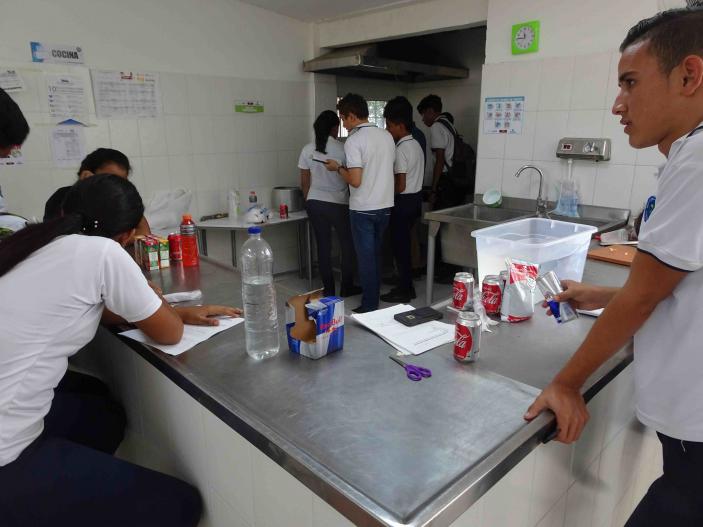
x=259, y=297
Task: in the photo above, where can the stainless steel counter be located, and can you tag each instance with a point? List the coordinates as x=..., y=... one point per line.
x=379, y=448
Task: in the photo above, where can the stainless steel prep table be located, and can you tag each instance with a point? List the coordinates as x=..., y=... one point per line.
x=300, y=218
x=379, y=448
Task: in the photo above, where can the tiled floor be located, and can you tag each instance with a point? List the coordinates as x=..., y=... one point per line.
x=295, y=285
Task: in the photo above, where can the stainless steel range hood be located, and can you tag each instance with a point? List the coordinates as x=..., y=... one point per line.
x=364, y=61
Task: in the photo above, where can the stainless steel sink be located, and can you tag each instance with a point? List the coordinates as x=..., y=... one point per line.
x=457, y=223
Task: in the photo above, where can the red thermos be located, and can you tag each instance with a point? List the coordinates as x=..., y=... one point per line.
x=189, y=242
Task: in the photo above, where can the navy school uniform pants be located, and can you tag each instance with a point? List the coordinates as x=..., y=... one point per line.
x=368, y=227
x=675, y=498
x=406, y=211
x=68, y=476
x=324, y=216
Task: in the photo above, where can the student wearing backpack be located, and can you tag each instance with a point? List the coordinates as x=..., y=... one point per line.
x=453, y=167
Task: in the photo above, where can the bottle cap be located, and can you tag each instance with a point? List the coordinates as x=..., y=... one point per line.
x=187, y=217
x=254, y=230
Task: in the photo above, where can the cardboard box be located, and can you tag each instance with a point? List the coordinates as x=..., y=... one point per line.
x=314, y=325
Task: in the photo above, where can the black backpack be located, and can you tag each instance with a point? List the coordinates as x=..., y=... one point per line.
x=462, y=173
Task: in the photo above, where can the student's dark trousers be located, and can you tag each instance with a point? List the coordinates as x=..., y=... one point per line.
x=324, y=216
x=675, y=498
x=406, y=211
x=68, y=476
x=368, y=227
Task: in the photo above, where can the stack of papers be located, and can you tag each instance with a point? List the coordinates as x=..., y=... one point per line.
x=192, y=335
x=407, y=340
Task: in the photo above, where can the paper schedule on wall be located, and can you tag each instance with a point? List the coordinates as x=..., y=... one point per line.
x=126, y=94
x=11, y=81
x=67, y=146
x=503, y=115
x=66, y=96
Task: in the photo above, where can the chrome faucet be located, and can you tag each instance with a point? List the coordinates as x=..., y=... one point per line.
x=541, y=202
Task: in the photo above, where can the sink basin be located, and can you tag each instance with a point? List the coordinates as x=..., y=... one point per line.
x=481, y=213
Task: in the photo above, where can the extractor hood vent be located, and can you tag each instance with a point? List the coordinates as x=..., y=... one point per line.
x=365, y=61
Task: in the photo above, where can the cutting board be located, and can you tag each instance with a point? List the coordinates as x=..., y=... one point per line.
x=617, y=254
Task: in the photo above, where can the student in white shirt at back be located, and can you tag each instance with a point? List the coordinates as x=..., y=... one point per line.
x=409, y=168
x=370, y=152
x=327, y=202
x=58, y=279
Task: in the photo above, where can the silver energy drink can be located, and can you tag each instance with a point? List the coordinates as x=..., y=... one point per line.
x=467, y=337
x=463, y=294
x=504, y=276
x=550, y=286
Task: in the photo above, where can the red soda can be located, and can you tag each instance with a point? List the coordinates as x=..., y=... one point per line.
x=175, y=252
x=467, y=337
x=491, y=294
x=463, y=291
x=283, y=211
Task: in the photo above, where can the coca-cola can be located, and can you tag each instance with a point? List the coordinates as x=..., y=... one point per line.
x=463, y=291
x=283, y=211
x=175, y=252
x=491, y=294
x=467, y=337
x=504, y=277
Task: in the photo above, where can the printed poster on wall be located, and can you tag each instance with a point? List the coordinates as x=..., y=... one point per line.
x=67, y=146
x=14, y=159
x=126, y=94
x=66, y=95
x=503, y=115
x=56, y=53
x=10, y=80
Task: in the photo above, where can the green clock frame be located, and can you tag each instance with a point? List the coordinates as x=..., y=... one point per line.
x=534, y=47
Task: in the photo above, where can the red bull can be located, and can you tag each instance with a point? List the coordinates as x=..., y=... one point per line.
x=467, y=337
x=463, y=295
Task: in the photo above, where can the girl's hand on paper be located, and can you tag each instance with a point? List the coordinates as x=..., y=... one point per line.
x=203, y=315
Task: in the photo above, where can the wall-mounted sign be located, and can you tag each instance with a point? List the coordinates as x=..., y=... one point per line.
x=11, y=81
x=249, y=106
x=503, y=115
x=59, y=54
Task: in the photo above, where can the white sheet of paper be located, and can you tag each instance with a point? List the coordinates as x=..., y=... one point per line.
x=407, y=340
x=66, y=95
x=319, y=156
x=125, y=94
x=10, y=80
x=68, y=146
x=192, y=336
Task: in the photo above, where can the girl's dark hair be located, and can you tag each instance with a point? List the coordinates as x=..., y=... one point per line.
x=323, y=126
x=13, y=126
x=94, y=161
x=103, y=205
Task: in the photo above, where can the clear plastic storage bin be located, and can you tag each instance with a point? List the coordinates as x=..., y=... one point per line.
x=557, y=246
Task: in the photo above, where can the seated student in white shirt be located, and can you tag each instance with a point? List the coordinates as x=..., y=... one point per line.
x=369, y=152
x=327, y=203
x=409, y=168
x=57, y=280
x=660, y=102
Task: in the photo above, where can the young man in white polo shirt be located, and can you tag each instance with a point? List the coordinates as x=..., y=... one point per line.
x=660, y=102
x=409, y=168
x=369, y=152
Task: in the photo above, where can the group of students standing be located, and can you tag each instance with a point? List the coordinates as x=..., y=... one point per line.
x=370, y=182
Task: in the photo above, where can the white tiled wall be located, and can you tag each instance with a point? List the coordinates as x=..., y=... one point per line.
x=594, y=483
x=198, y=143
x=564, y=96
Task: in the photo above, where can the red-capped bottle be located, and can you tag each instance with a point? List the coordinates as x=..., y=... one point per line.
x=189, y=242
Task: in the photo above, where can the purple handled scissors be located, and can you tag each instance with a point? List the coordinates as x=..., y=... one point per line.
x=415, y=373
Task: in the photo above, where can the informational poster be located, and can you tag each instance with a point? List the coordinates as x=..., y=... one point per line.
x=56, y=53
x=67, y=146
x=10, y=80
x=14, y=159
x=66, y=95
x=503, y=115
x=125, y=94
